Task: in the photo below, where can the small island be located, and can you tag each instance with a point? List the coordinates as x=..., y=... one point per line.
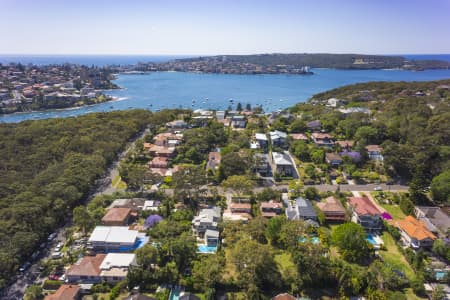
x=31, y=87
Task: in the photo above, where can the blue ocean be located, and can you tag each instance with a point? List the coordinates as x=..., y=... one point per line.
x=155, y=91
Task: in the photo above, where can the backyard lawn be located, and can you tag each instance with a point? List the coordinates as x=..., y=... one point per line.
x=394, y=210
x=393, y=257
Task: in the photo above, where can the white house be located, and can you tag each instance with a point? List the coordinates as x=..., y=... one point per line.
x=113, y=238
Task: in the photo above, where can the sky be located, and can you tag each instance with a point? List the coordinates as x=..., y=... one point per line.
x=208, y=27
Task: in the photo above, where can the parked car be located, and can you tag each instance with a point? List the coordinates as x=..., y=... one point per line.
x=56, y=255
x=25, y=267
x=377, y=188
x=51, y=237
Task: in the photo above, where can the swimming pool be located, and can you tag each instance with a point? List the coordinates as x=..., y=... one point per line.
x=206, y=249
x=175, y=294
x=314, y=240
x=371, y=239
x=439, y=275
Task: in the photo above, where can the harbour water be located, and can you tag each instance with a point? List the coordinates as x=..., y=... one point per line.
x=156, y=91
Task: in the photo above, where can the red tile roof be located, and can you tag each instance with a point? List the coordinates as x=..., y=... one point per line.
x=116, y=214
x=363, y=206
x=65, y=292
x=87, y=266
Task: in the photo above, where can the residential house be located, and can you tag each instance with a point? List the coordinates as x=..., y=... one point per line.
x=332, y=209
x=152, y=205
x=159, y=162
x=167, y=139
x=262, y=164
x=162, y=151
x=117, y=217
x=333, y=102
x=208, y=218
x=334, y=159
x=299, y=137
x=322, y=139
x=66, y=292
x=278, y=138
x=284, y=296
x=213, y=160
x=414, y=232
x=220, y=115
x=437, y=221
x=375, y=152
x=177, y=125
x=352, y=110
x=365, y=213
x=237, y=208
x=283, y=165
x=211, y=237
x=301, y=210
x=113, y=239
x=114, y=266
x=138, y=296
x=345, y=144
x=238, y=121
x=135, y=204
x=86, y=269
x=315, y=125
x=271, y=209
x=261, y=140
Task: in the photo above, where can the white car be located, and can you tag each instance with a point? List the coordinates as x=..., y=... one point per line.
x=377, y=188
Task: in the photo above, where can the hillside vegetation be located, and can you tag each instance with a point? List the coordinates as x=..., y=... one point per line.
x=47, y=167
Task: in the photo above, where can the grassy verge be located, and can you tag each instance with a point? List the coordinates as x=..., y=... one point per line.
x=117, y=183
x=393, y=256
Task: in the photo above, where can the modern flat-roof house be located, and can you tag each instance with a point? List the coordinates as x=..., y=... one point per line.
x=66, y=292
x=322, y=139
x=152, y=205
x=435, y=219
x=117, y=216
x=270, y=209
x=365, y=213
x=177, y=124
x=375, y=152
x=278, y=138
x=283, y=165
x=301, y=210
x=238, y=121
x=211, y=237
x=262, y=164
x=414, y=232
x=334, y=159
x=113, y=239
x=208, y=218
x=332, y=209
x=220, y=115
x=261, y=140
x=114, y=266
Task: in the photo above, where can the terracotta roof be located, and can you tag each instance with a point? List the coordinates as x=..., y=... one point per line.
x=65, y=292
x=271, y=204
x=331, y=204
x=363, y=206
x=299, y=136
x=345, y=143
x=116, y=214
x=414, y=228
x=87, y=266
x=333, y=156
x=371, y=148
x=284, y=296
x=240, y=206
x=321, y=136
x=214, y=156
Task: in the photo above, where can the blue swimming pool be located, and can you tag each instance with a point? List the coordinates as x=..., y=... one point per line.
x=440, y=275
x=175, y=294
x=371, y=239
x=314, y=240
x=206, y=249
